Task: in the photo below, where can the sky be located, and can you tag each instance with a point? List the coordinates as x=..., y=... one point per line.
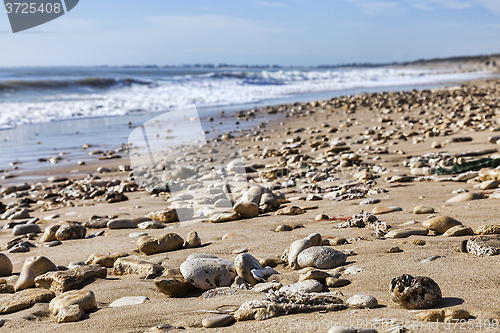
x=293, y=32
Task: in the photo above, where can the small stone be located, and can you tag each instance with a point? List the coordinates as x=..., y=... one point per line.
x=244, y=264
x=224, y=217
x=394, y=249
x=406, y=232
x=129, y=300
x=293, y=210
x=208, y=273
x=369, y=201
x=265, y=287
x=321, y=257
x=336, y=283
x=173, y=287
x=283, y=227
x=484, y=245
x=239, y=283
x=241, y=250
x=415, y=292
x=379, y=210
x=300, y=245
x=71, y=230
x=466, y=197
x=166, y=243
x=321, y=217
x=63, y=281
x=223, y=203
x=313, y=197
x=49, y=234
x=337, y=241
x=491, y=229
x=33, y=267
x=458, y=230
x=52, y=244
x=354, y=270
x=314, y=274
x=218, y=321
x=201, y=256
x=19, y=248
x=24, y=299
x=419, y=242
x=246, y=210
x=270, y=262
x=423, y=210
x=24, y=229
x=136, y=265
x=150, y=225
x=83, y=299
x=5, y=265
x=126, y=223
x=193, y=240
x=69, y=314
x=105, y=260
x=440, y=224
x=362, y=302
x=489, y=184
x=307, y=286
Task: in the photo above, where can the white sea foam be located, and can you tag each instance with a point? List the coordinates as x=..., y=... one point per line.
x=212, y=89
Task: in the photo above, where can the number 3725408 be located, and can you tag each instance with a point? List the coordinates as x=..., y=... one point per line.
x=32, y=8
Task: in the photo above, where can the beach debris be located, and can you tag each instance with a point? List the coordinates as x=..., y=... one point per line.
x=418, y=292
x=278, y=303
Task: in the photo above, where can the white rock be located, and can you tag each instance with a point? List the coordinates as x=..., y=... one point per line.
x=207, y=273
x=362, y=301
x=129, y=300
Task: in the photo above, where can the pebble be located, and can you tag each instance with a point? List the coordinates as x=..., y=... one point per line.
x=208, y=273
x=423, y=210
x=129, y=300
x=137, y=234
x=489, y=184
x=71, y=230
x=62, y=281
x=224, y=217
x=314, y=274
x=5, y=265
x=246, y=210
x=33, y=267
x=354, y=270
x=166, y=243
x=218, y=321
x=484, y=245
x=300, y=245
x=148, y=225
x=369, y=201
x=283, y=227
x=223, y=203
x=362, y=302
x=458, y=230
x=25, y=299
x=244, y=264
x=336, y=283
x=193, y=240
x=52, y=244
x=293, y=210
x=24, y=229
x=71, y=305
x=174, y=287
x=126, y=223
x=265, y=287
x=379, y=210
x=321, y=257
x=415, y=292
x=105, y=260
x=306, y=286
x=201, y=256
x=321, y=217
x=394, y=249
x=136, y=265
x=406, y=232
x=440, y=224
x=430, y=259
x=19, y=248
x=466, y=197
x=49, y=234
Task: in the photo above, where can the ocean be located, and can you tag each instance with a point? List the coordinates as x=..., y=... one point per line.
x=46, y=110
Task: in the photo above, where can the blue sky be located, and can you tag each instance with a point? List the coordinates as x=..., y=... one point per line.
x=294, y=32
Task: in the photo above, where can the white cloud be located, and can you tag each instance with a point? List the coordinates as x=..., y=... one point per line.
x=493, y=5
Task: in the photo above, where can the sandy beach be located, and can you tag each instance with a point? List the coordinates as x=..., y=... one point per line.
x=326, y=157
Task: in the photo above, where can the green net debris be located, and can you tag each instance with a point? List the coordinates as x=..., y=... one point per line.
x=470, y=166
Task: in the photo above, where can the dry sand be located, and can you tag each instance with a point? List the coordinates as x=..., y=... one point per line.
x=467, y=282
